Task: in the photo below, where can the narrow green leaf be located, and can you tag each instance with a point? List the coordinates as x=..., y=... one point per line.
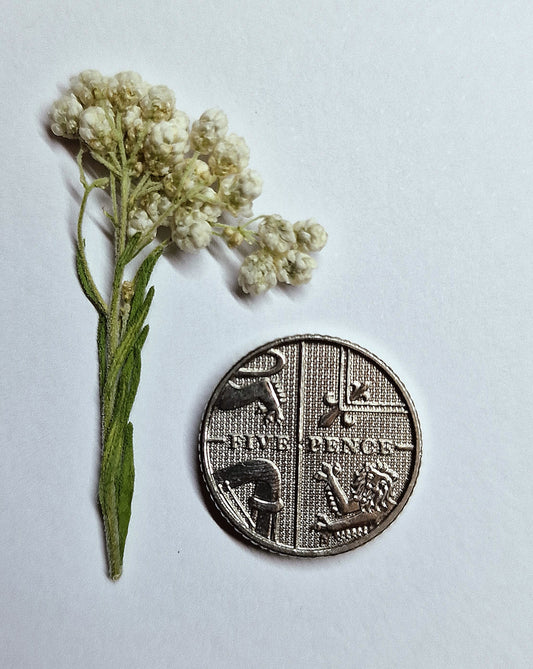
x=87, y=284
x=129, y=374
x=125, y=486
x=126, y=386
x=135, y=374
x=125, y=395
x=142, y=338
x=125, y=346
x=141, y=280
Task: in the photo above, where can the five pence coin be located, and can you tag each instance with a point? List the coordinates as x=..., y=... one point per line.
x=310, y=446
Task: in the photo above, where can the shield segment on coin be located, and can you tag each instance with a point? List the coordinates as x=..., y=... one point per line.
x=310, y=446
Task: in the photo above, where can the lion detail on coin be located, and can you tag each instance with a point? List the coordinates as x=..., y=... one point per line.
x=372, y=496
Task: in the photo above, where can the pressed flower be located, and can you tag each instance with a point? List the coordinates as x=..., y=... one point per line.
x=160, y=173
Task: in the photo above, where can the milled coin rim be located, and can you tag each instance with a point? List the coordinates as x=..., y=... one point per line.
x=225, y=509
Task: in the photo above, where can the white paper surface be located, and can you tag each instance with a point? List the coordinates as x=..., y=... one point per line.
x=406, y=128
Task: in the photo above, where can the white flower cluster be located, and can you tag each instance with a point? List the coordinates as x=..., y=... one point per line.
x=283, y=254
x=187, y=175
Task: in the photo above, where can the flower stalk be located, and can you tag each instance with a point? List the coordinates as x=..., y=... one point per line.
x=161, y=173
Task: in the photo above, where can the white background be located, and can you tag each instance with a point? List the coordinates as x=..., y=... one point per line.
x=406, y=128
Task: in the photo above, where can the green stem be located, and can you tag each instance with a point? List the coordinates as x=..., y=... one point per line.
x=138, y=188
x=113, y=185
x=108, y=503
x=107, y=488
x=112, y=168
x=99, y=183
x=120, y=243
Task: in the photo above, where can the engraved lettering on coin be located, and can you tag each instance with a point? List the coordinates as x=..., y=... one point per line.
x=328, y=471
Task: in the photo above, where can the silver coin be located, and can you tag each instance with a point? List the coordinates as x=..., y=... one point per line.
x=310, y=446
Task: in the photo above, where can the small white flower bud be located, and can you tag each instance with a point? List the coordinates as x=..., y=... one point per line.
x=158, y=103
x=125, y=89
x=154, y=208
x=237, y=191
x=232, y=236
x=208, y=130
x=276, y=234
x=197, y=172
x=95, y=129
x=191, y=232
x=207, y=202
x=134, y=126
x=229, y=156
x=310, y=235
x=157, y=205
x=138, y=169
x=65, y=115
x=165, y=145
x=127, y=291
x=295, y=268
x=139, y=221
x=132, y=120
x=257, y=273
x=90, y=87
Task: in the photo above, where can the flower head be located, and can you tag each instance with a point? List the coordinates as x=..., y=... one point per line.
x=158, y=103
x=157, y=207
x=65, y=115
x=187, y=175
x=276, y=234
x=237, y=191
x=206, y=201
x=208, y=130
x=294, y=268
x=152, y=213
x=230, y=155
x=165, y=144
x=139, y=221
x=125, y=89
x=257, y=273
x=90, y=87
x=310, y=235
x=191, y=232
x=96, y=130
